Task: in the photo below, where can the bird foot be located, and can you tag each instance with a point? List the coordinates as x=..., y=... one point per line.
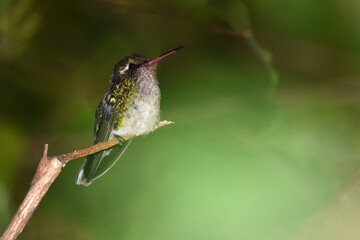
x=120, y=139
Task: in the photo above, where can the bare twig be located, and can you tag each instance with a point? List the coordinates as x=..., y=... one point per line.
x=186, y=16
x=48, y=170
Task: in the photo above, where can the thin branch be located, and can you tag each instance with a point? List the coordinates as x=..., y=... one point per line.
x=187, y=16
x=48, y=170
x=64, y=158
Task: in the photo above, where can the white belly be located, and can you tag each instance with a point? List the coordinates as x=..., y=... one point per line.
x=141, y=118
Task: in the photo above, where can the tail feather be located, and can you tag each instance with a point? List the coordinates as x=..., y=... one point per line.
x=96, y=165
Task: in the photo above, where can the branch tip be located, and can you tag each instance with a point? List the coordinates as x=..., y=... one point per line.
x=46, y=148
x=163, y=123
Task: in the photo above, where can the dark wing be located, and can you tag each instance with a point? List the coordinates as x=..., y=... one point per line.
x=97, y=164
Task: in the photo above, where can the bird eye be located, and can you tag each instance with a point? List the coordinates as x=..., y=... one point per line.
x=132, y=65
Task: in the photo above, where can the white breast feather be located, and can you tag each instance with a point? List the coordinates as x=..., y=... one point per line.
x=142, y=117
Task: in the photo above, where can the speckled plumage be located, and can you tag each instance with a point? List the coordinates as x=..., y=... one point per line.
x=131, y=106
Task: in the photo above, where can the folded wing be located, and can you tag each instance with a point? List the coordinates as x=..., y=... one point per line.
x=98, y=164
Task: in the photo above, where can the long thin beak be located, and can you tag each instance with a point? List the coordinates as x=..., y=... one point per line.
x=156, y=59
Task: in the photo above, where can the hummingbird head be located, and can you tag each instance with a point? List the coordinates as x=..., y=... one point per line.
x=137, y=64
x=129, y=65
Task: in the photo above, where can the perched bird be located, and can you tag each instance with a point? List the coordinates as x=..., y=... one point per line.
x=130, y=107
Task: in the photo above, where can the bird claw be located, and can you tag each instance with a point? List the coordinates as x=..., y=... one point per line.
x=120, y=139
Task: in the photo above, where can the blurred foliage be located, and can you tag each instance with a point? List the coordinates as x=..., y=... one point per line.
x=266, y=141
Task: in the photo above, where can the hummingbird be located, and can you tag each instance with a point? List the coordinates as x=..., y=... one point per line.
x=130, y=107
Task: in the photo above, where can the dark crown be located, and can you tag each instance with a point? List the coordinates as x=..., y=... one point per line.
x=135, y=58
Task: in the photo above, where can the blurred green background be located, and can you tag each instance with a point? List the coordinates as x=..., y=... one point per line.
x=266, y=142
